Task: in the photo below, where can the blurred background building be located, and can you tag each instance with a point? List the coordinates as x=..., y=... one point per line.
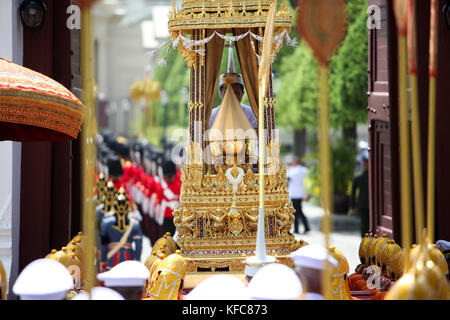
x=125, y=33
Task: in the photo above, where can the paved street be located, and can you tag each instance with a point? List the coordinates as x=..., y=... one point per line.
x=345, y=234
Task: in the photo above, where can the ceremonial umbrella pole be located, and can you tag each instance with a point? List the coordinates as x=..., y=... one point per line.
x=415, y=122
x=400, y=8
x=88, y=147
x=432, y=122
x=322, y=23
x=261, y=258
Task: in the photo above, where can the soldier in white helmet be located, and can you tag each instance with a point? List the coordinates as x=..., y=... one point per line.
x=309, y=262
x=127, y=278
x=43, y=279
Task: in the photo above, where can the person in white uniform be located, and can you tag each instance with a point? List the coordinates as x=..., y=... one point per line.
x=127, y=278
x=309, y=263
x=296, y=176
x=43, y=279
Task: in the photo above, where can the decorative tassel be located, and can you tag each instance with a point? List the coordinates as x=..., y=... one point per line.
x=189, y=44
x=162, y=62
x=291, y=42
x=176, y=41
x=157, y=50
x=254, y=50
x=201, y=52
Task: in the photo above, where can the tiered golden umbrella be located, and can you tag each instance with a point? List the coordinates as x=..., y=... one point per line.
x=149, y=90
x=34, y=107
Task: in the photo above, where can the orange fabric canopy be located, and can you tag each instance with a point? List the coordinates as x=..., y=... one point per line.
x=34, y=107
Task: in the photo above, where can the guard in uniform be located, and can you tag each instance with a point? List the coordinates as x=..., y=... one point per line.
x=169, y=195
x=148, y=195
x=101, y=188
x=119, y=230
x=115, y=171
x=107, y=204
x=134, y=212
x=157, y=192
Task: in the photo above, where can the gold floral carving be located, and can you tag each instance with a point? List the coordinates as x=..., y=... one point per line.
x=206, y=230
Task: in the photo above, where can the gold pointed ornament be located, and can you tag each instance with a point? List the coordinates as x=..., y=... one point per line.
x=254, y=263
x=231, y=129
x=423, y=279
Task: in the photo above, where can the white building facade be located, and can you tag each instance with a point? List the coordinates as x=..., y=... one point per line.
x=125, y=32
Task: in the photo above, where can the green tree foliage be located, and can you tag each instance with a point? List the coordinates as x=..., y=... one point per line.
x=173, y=77
x=297, y=99
x=348, y=80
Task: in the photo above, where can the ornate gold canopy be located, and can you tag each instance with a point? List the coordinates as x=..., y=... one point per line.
x=218, y=214
x=223, y=14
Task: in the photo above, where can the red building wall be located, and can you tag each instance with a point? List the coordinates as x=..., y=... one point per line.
x=48, y=191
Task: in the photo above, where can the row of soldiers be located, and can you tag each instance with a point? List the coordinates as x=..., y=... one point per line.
x=139, y=194
x=148, y=175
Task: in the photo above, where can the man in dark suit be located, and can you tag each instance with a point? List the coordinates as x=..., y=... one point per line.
x=359, y=198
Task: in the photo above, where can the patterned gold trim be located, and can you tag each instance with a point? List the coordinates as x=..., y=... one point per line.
x=234, y=264
x=197, y=14
x=42, y=110
x=206, y=230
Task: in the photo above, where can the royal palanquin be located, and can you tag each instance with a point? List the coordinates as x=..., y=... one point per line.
x=211, y=235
